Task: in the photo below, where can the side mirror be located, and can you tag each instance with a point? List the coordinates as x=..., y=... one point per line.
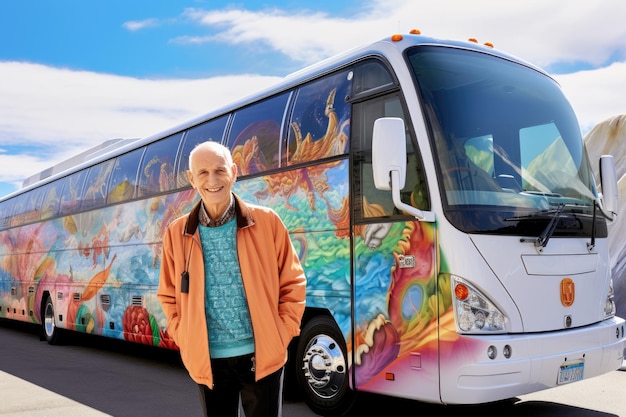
x=389, y=163
x=608, y=182
x=388, y=152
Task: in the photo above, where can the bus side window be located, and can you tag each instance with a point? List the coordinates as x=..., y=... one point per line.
x=9, y=211
x=71, y=187
x=213, y=130
x=5, y=214
x=68, y=200
x=19, y=206
x=51, y=202
x=34, y=204
x=255, y=135
x=95, y=189
x=371, y=77
x=320, y=120
x=369, y=201
x=156, y=172
x=25, y=208
x=124, y=176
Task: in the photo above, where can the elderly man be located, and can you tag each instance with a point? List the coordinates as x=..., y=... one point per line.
x=233, y=290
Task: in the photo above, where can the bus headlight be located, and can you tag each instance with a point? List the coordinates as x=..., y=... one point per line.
x=474, y=312
x=609, y=304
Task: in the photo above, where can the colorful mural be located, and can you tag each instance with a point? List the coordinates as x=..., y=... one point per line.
x=101, y=266
x=112, y=253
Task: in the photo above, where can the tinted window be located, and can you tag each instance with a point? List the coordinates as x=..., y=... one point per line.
x=19, y=204
x=51, y=202
x=320, y=120
x=124, y=176
x=368, y=201
x=19, y=207
x=157, y=168
x=507, y=144
x=371, y=76
x=254, y=137
x=95, y=188
x=70, y=196
x=5, y=214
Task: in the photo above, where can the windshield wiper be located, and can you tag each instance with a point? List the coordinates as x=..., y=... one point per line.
x=541, y=214
x=544, y=237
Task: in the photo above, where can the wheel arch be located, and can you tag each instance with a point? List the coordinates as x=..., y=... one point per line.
x=291, y=389
x=42, y=307
x=322, y=367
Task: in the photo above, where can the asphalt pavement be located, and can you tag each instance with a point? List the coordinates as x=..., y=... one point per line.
x=599, y=397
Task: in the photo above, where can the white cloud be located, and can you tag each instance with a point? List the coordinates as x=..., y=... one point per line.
x=596, y=95
x=541, y=31
x=135, y=25
x=47, y=105
x=17, y=167
x=304, y=36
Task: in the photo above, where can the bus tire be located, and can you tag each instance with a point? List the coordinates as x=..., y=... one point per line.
x=48, y=323
x=322, y=368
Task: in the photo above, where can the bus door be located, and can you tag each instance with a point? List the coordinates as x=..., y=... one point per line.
x=396, y=294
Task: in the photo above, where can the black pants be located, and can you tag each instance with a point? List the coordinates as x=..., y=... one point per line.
x=234, y=377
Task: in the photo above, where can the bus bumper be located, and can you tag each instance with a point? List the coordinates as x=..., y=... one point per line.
x=536, y=362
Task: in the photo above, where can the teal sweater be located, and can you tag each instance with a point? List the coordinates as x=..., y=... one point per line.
x=228, y=317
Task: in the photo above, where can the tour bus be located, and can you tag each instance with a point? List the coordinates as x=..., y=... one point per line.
x=438, y=193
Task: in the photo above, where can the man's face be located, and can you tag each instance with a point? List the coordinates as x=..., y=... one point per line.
x=212, y=177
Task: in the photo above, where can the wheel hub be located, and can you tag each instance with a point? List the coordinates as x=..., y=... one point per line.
x=49, y=324
x=324, y=366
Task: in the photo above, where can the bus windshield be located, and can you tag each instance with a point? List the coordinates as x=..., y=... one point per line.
x=508, y=146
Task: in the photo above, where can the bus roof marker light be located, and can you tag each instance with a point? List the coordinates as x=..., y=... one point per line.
x=489, y=44
x=473, y=40
x=415, y=32
x=396, y=38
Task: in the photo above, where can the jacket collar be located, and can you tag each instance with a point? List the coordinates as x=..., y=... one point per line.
x=242, y=214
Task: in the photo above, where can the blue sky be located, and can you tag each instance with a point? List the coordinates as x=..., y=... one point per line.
x=76, y=73
x=143, y=38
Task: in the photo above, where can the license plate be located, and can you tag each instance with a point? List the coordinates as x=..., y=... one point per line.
x=571, y=372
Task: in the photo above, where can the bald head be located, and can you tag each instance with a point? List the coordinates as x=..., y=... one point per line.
x=213, y=147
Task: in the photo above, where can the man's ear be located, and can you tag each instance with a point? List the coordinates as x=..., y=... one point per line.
x=190, y=178
x=235, y=170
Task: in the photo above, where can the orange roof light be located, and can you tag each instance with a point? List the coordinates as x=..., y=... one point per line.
x=489, y=44
x=473, y=40
x=396, y=38
x=415, y=32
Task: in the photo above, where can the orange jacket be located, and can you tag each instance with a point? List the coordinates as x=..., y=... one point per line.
x=273, y=280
